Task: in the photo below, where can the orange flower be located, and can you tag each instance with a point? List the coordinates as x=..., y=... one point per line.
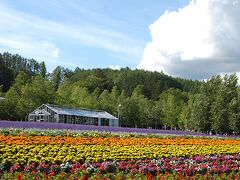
x=109, y=141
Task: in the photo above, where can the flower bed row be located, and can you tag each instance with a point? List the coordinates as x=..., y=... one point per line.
x=57, y=154
x=178, y=168
x=109, y=141
x=48, y=125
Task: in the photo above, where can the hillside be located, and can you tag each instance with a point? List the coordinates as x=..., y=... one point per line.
x=142, y=98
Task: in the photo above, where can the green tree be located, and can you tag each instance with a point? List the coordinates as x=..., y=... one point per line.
x=145, y=114
x=106, y=103
x=56, y=77
x=172, y=101
x=6, y=111
x=202, y=109
x=200, y=113
x=14, y=94
x=6, y=76
x=234, y=115
x=64, y=93
x=121, y=101
x=114, y=100
x=43, y=69
x=67, y=73
x=129, y=113
x=216, y=106
x=221, y=108
x=33, y=94
x=95, y=99
x=80, y=97
x=185, y=116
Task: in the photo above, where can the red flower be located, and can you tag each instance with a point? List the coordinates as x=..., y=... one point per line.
x=150, y=177
x=97, y=175
x=72, y=172
x=19, y=176
x=10, y=174
x=131, y=176
x=52, y=174
x=82, y=178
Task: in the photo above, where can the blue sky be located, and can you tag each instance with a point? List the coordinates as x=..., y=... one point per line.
x=192, y=39
x=85, y=34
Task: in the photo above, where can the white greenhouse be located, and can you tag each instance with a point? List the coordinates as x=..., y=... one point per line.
x=54, y=113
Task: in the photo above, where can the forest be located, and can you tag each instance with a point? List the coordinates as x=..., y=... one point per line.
x=147, y=99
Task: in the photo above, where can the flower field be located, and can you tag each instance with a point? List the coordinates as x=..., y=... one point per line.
x=42, y=155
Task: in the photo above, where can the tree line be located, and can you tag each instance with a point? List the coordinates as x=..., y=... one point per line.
x=11, y=64
x=144, y=99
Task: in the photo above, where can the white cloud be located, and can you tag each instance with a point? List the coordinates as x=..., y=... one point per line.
x=197, y=41
x=114, y=67
x=38, y=37
x=38, y=50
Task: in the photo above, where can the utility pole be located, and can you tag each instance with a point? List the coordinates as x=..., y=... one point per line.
x=118, y=113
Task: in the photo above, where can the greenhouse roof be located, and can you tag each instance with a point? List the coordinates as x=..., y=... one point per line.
x=80, y=112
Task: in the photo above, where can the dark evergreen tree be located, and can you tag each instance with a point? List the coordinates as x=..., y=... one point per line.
x=56, y=77
x=43, y=69
x=6, y=75
x=14, y=94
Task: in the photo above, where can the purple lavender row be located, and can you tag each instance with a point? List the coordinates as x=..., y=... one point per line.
x=47, y=125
